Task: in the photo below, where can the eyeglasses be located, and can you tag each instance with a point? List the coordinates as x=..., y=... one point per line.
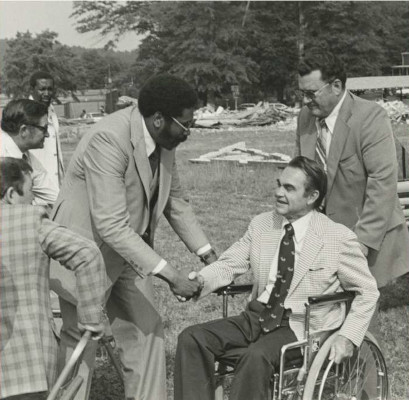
x=186, y=127
x=43, y=129
x=309, y=94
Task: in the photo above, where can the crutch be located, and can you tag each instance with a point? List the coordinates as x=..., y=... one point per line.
x=72, y=388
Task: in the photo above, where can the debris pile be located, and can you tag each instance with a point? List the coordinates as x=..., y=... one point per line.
x=238, y=153
x=397, y=110
x=263, y=113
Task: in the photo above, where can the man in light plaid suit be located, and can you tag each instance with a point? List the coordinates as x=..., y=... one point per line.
x=28, y=238
x=326, y=258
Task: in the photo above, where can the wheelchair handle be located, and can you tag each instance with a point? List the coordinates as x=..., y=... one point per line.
x=232, y=289
x=331, y=298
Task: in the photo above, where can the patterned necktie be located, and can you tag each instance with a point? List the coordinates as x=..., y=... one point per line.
x=272, y=315
x=321, y=146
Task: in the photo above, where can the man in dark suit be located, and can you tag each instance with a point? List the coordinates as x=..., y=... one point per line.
x=293, y=252
x=121, y=179
x=354, y=141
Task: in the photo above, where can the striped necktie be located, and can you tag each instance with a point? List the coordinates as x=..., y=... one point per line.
x=321, y=146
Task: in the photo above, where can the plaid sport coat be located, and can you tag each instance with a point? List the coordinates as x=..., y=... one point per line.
x=330, y=261
x=28, y=238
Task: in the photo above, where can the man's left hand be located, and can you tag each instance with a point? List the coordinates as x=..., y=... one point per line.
x=97, y=330
x=340, y=349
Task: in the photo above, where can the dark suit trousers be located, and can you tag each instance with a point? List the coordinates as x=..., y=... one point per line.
x=259, y=356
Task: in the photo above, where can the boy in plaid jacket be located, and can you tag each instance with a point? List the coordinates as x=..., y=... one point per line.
x=28, y=240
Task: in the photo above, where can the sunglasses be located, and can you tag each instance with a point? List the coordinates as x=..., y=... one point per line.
x=186, y=127
x=43, y=129
x=309, y=94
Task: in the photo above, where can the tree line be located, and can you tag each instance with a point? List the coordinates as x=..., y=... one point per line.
x=74, y=68
x=214, y=45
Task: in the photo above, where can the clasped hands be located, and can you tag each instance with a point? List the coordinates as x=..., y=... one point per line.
x=187, y=286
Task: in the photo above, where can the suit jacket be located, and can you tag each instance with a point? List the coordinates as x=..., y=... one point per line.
x=28, y=344
x=362, y=182
x=105, y=197
x=330, y=261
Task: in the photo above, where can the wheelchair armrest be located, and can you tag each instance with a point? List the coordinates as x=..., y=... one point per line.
x=232, y=289
x=331, y=298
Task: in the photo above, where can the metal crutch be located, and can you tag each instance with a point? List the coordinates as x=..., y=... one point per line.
x=72, y=388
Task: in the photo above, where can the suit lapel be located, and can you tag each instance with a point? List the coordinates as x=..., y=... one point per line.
x=139, y=152
x=309, y=139
x=312, y=246
x=165, y=179
x=339, y=138
x=270, y=240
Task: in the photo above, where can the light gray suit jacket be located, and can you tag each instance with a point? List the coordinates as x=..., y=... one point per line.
x=330, y=261
x=105, y=197
x=362, y=182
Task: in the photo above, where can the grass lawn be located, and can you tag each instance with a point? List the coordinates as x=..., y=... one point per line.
x=225, y=198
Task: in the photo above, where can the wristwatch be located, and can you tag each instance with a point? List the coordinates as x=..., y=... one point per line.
x=211, y=254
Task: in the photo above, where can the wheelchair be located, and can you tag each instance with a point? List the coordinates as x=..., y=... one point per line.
x=314, y=377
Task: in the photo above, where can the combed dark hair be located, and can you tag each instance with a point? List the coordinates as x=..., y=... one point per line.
x=39, y=75
x=19, y=112
x=12, y=172
x=167, y=94
x=316, y=176
x=331, y=67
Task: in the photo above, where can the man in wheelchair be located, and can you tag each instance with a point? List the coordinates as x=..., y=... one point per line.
x=293, y=252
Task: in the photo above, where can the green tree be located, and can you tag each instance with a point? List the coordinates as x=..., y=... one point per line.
x=255, y=44
x=26, y=54
x=202, y=42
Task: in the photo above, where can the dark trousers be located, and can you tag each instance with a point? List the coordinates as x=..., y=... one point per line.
x=199, y=346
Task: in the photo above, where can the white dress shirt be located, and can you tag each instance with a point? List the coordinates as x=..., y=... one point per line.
x=150, y=148
x=51, y=155
x=300, y=227
x=44, y=188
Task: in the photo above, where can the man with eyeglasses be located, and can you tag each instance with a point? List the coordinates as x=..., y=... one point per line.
x=121, y=179
x=43, y=90
x=24, y=126
x=353, y=139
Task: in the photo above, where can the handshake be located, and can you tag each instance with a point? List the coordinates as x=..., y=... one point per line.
x=184, y=285
x=188, y=286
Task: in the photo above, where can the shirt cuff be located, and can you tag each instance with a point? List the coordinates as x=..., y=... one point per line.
x=203, y=249
x=159, y=267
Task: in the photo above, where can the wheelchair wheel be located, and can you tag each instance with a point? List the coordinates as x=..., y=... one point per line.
x=362, y=377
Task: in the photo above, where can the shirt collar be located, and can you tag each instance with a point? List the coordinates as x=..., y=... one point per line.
x=149, y=142
x=300, y=226
x=8, y=143
x=332, y=118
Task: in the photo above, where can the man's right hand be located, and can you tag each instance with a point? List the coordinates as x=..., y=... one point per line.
x=179, y=282
x=184, y=287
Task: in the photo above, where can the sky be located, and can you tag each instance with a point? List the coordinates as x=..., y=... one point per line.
x=37, y=16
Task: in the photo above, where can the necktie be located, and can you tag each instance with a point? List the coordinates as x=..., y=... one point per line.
x=154, y=160
x=24, y=157
x=321, y=146
x=272, y=315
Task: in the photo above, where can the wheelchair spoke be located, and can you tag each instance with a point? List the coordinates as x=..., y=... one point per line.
x=362, y=377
